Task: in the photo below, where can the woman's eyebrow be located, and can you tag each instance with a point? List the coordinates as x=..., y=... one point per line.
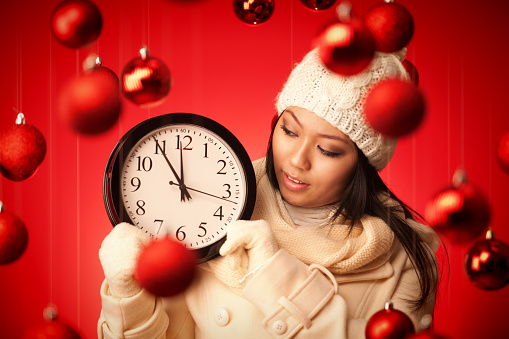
x=327, y=136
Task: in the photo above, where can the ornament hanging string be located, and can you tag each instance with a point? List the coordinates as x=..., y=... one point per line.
x=78, y=242
x=51, y=143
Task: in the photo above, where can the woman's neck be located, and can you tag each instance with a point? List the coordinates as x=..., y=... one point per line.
x=309, y=216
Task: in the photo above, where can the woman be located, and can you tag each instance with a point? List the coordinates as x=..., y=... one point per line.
x=328, y=243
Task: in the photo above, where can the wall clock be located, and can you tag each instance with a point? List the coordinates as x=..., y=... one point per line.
x=182, y=175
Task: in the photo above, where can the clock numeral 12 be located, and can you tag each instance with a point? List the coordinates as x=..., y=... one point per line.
x=186, y=147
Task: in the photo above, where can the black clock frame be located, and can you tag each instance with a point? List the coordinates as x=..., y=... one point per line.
x=112, y=183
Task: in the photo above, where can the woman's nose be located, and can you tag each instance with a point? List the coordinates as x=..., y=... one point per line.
x=300, y=157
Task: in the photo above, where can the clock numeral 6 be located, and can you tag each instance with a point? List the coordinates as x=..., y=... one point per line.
x=181, y=235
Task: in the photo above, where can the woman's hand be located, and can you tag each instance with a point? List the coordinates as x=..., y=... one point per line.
x=118, y=254
x=248, y=244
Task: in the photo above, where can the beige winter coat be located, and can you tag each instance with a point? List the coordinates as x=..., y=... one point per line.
x=322, y=283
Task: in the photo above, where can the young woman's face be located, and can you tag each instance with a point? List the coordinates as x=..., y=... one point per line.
x=313, y=160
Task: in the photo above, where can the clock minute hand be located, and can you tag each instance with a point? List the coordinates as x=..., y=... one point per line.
x=212, y=195
x=180, y=183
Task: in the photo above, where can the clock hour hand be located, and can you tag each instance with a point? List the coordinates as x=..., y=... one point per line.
x=195, y=190
x=180, y=183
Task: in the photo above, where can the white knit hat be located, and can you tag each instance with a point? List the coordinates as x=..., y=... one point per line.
x=340, y=99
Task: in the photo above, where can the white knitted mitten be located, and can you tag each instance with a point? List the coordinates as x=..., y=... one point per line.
x=118, y=254
x=248, y=244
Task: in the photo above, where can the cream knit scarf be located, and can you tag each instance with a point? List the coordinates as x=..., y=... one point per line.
x=365, y=248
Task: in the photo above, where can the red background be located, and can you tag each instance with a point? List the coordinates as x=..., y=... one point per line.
x=232, y=72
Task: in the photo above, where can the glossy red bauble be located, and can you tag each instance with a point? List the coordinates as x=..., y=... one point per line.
x=146, y=80
x=426, y=334
x=90, y=104
x=318, y=5
x=346, y=48
x=253, y=12
x=503, y=152
x=412, y=72
x=51, y=329
x=460, y=213
x=394, y=107
x=165, y=267
x=76, y=23
x=22, y=150
x=487, y=264
x=392, y=26
x=13, y=238
x=389, y=324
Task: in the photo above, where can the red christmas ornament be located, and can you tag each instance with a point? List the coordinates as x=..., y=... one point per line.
x=22, y=150
x=76, y=23
x=487, y=263
x=90, y=104
x=165, y=267
x=346, y=47
x=13, y=237
x=389, y=324
x=459, y=212
x=427, y=334
x=318, y=5
x=503, y=152
x=146, y=80
x=253, y=12
x=392, y=26
x=412, y=72
x=51, y=328
x=394, y=107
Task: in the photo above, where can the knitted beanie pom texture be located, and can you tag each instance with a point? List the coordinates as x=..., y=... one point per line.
x=340, y=99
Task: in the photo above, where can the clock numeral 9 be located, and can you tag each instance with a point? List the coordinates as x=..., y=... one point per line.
x=136, y=182
x=145, y=164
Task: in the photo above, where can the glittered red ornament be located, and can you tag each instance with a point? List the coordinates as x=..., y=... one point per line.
x=318, y=5
x=91, y=104
x=487, y=263
x=392, y=26
x=503, y=152
x=165, y=267
x=13, y=237
x=389, y=324
x=394, y=107
x=253, y=12
x=76, y=23
x=51, y=328
x=22, y=150
x=346, y=48
x=146, y=81
x=412, y=72
x=459, y=212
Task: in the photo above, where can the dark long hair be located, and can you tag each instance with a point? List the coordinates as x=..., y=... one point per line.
x=362, y=197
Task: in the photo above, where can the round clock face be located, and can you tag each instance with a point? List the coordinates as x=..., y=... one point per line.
x=180, y=175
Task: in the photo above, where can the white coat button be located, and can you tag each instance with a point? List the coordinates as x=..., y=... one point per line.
x=222, y=317
x=279, y=327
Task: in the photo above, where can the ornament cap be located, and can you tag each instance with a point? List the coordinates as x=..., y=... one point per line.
x=490, y=235
x=344, y=11
x=389, y=1
x=389, y=305
x=91, y=62
x=144, y=52
x=50, y=313
x=425, y=322
x=20, y=119
x=459, y=178
x=2, y=208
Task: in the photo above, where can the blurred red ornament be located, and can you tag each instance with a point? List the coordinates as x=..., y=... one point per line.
x=146, y=81
x=503, y=152
x=392, y=26
x=318, y=5
x=394, y=107
x=165, y=267
x=76, y=23
x=389, y=324
x=427, y=334
x=90, y=104
x=253, y=12
x=51, y=328
x=459, y=212
x=22, y=150
x=412, y=72
x=346, y=47
x=13, y=237
x=487, y=263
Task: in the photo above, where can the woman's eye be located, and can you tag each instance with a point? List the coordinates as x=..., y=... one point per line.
x=328, y=153
x=287, y=131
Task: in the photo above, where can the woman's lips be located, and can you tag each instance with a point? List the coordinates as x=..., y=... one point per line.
x=293, y=184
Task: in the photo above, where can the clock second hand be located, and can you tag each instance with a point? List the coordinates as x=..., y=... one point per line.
x=212, y=195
